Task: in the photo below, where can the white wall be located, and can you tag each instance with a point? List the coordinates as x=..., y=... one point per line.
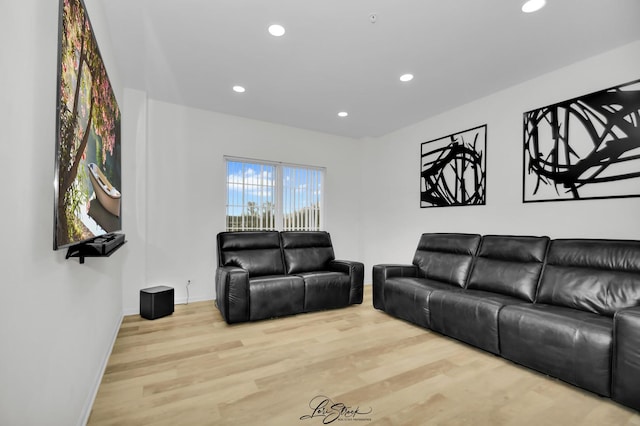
x=186, y=190
x=393, y=219
x=134, y=193
x=57, y=318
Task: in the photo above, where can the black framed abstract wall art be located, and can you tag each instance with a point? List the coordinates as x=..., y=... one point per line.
x=584, y=148
x=87, y=180
x=453, y=169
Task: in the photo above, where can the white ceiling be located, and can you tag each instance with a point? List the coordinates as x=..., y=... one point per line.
x=332, y=58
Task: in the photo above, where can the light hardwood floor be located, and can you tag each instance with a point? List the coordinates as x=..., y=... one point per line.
x=193, y=369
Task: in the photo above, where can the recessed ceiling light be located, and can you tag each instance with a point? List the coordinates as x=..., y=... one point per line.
x=343, y=114
x=533, y=5
x=276, y=30
x=406, y=77
x=238, y=89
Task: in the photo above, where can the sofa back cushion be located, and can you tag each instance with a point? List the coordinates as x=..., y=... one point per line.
x=306, y=251
x=446, y=257
x=258, y=252
x=599, y=276
x=509, y=265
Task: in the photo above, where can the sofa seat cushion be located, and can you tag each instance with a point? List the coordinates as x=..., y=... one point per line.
x=470, y=316
x=572, y=345
x=325, y=290
x=407, y=298
x=275, y=296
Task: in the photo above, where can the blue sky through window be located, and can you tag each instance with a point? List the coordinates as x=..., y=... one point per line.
x=253, y=187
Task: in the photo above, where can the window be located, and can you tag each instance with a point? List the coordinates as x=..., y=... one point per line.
x=273, y=196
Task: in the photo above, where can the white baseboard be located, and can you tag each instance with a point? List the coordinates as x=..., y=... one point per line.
x=131, y=311
x=180, y=301
x=86, y=411
x=183, y=300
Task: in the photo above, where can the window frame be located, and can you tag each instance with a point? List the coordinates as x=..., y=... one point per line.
x=279, y=193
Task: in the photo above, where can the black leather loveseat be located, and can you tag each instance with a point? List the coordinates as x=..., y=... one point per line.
x=268, y=274
x=569, y=308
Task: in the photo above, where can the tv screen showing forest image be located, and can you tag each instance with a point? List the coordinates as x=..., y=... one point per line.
x=87, y=173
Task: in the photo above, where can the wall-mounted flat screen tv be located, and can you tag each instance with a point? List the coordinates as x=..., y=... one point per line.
x=87, y=172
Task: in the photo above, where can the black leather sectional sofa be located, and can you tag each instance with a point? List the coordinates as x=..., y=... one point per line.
x=268, y=274
x=569, y=308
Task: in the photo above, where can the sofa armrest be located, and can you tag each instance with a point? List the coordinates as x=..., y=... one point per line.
x=232, y=293
x=355, y=270
x=625, y=380
x=385, y=271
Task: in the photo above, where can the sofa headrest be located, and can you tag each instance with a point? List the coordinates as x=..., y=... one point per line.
x=244, y=240
x=599, y=276
x=514, y=248
x=509, y=265
x=616, y=255
x=304, y=239
x=256, y=251
x=449, y=243
x=306, y=251
x=446, y=257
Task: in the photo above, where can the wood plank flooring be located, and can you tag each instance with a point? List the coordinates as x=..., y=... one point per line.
x=347, y=365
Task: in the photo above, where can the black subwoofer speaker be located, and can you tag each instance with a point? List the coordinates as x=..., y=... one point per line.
x=156, y=302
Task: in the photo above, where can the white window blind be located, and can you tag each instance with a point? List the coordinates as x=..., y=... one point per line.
x=302, y=198
x=273, y=196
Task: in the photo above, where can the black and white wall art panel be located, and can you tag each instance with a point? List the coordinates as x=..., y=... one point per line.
x=584, y=148
x=453, y=169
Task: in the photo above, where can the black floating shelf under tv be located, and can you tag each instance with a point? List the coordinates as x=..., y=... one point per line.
x=102, y=246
